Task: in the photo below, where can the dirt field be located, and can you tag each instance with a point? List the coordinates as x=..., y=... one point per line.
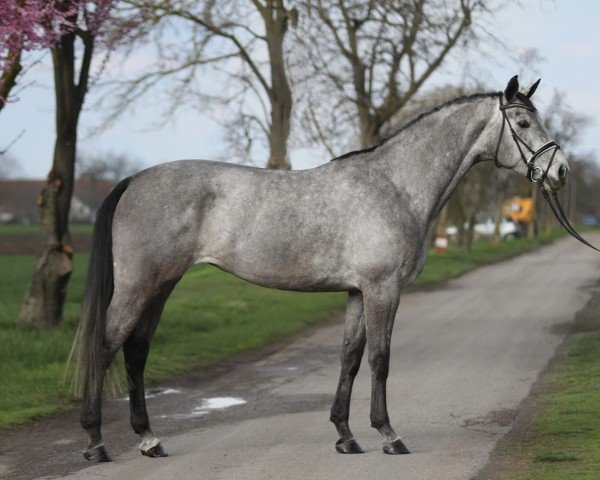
x=24, y=243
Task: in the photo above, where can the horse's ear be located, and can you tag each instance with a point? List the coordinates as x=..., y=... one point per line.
x=512, y=88
x=533, y=88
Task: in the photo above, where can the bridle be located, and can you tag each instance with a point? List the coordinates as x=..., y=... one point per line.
x=535, y=154
x=557, y=209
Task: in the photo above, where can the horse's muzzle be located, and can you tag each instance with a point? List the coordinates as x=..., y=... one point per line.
x=557, y=176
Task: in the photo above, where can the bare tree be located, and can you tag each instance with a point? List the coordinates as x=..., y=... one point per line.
x=369, y=58
x=566, y=126
x=480, y=193
x=583, y=188
x=239, y=47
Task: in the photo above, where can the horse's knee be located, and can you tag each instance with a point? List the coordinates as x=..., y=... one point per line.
x=339, y=414
x=352, y=355
x=380, y=364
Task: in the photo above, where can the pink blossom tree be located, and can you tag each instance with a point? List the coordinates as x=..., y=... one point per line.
x=70, y=29
x=27, y=25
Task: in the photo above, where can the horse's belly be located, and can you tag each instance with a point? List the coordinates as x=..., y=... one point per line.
x=284, y=272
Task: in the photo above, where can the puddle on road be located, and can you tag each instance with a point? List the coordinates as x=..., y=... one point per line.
x=220, y=402
x=208, y=404
x=155, y=393
x=166, y=391
x=275, y=370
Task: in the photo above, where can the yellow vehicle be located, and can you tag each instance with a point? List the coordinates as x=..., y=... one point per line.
x=519, y=210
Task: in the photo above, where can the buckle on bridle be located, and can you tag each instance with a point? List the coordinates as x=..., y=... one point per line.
x=531, y=169
x=551, y=145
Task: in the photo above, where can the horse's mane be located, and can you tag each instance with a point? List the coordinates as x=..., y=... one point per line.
x=459, y=100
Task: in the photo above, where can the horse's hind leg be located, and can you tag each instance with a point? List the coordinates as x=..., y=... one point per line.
x=91, y=413
x=135, y=350
x=122, y=316
x=380, y=305
x=125, y=310
x=352, y=351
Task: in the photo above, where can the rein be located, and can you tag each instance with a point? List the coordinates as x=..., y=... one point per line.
x=557, y=209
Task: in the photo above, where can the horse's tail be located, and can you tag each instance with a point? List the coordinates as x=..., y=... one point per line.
x=98, y=294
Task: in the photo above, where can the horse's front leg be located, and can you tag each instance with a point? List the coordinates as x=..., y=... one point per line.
x=381, y=304
x=352, y=352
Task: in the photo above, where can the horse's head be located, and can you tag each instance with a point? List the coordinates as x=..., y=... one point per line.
x=524, y=144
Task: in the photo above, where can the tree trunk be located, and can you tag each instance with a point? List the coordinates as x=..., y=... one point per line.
x=9, y=79
x=497, y=223
x=532, y=225
x=44, y=301
x=369, y=129
x=280, y=95
x=469, y=234
x=368, y=135
x=278, y=136
x=546, y=219
x=460, y=216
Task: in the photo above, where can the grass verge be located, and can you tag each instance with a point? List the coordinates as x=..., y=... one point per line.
x=210, y=316
x=558, y=438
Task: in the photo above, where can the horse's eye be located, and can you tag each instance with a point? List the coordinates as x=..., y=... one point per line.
x=523, y=124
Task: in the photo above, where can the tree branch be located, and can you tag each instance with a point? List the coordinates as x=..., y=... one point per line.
x=218, y=31
x=84, y=73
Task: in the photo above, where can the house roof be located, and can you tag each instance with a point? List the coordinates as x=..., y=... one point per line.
x=20, y=196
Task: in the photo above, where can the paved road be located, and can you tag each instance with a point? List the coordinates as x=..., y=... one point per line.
x=463, y=357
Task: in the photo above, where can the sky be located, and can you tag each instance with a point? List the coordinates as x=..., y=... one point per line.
x=565, y=33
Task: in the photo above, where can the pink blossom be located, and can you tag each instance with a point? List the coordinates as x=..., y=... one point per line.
x=27, y=25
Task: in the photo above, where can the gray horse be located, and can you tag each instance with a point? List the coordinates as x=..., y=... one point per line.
x=356, y=224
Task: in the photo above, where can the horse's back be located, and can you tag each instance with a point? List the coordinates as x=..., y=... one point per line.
x=303, y=230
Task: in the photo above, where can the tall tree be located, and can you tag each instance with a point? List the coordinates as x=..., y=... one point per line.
x=43, y=304
x=240, y=46
x=369, y=58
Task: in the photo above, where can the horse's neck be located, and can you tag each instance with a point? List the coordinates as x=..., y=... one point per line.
x=427, y=160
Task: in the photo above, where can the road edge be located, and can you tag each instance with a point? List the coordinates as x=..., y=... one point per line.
x=506, y=460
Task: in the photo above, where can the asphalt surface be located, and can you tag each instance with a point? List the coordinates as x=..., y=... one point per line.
x=464, y=355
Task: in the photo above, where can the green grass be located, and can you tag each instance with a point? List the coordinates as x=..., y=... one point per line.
x=210, y=316
x=565, y=434
x=559, y=439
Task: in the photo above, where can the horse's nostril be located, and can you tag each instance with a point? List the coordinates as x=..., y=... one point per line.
x=562, y=172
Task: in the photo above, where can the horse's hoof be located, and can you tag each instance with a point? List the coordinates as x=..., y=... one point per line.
x=396, y=447
x=155, y=452
x=97, y=454
x=348, y=446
